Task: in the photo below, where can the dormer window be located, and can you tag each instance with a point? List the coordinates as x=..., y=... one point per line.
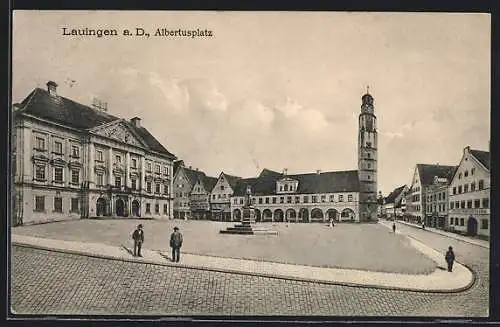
x=75, y=151
x=286, y=187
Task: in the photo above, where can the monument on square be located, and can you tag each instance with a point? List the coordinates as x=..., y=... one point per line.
x=248, y=218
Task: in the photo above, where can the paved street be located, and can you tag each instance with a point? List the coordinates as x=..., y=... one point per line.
x=58, y=283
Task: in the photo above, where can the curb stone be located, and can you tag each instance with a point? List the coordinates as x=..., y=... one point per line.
x=237, y=272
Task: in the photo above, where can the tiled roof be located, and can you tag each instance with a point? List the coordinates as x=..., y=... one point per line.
x=326, y=182
x=194, y=175
x=210, y=183
x=394, y=194
x=232, y=180
x=177, y=165
x=483, y=157
x=427, y=172
x=73, y=114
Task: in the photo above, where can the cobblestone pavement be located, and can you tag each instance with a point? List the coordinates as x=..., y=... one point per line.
x=49, y=282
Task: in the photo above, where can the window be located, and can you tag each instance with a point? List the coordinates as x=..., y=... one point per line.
x=75, y=176
x=314, y=199
x=332, y=198
x=74, y=205
x=368, y=155
x=457, y=205
x=282, y=199
x=297, y=199
x=58, y=174
x=484, y=223
x=461, y=221
x=472, y=186
x=118, y=181
x=349, y=197
x=99, y=156
x=454, y=190
x=57, y=204
x=58, y=147
x=218, y=196
x=281, y=188
x=460, y=189
x=462, y=204
x=460, y=176
x=456, y=221
x=288, y=199
x=260, y=200
x=165, y=170
x=235, y=201
x=148, y=167
x=133, y=184
x=40, y=172
x=274, y=200
x=477, y=203
x=134, y=163
x=148, y=207
x=466, y=188
x=481, y=184
x=40, y=143
x=369, y=177
x=469, y=204
x=486, y=203
x=148, y=187
x=472, y=171
x=451, y=221
x=466, y=173
x=100, y=179
x=39, y=203
x=286, y=187
x=341, y=198
x=323, y=198
x=75, y=151
x=267, y=200
x=241, y=201
x=157, y=208
x=451, y=205
x=165, y=209
x=157, y=169
x=165, y=189
x=118, y=159
x=158, y=188
x=222, y=187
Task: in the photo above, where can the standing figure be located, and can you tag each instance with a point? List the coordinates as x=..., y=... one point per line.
x=450, y=258
x=138, y=237
x=331, y=223
x=175, y=244
x=394, y=227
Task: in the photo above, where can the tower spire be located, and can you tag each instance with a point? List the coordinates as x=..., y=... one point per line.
x=368, y=89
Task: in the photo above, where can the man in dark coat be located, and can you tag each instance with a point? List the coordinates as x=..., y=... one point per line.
x=394, y=227
x=450, y=258
x=175, y=244
x=138, y=237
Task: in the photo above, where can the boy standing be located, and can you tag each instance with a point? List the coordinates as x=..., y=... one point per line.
x=175, y=244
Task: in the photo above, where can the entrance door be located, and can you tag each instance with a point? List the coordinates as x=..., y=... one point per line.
x=101, y=207
x=120, y=208
x=135, y=208
x=472, y=226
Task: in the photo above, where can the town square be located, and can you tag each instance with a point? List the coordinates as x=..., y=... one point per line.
x=253, y=171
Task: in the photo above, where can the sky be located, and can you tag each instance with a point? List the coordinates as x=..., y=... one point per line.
x=274, y=89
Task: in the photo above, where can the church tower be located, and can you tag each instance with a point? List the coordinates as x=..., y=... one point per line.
x=367, y=160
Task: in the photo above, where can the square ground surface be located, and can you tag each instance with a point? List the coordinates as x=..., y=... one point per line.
x=352, y=246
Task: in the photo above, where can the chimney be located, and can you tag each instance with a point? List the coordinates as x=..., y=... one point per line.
x=136, y=121
x=285, y=171
x=467, y=149
x=196, y=168
x=52, y=88
x=318, y=172
x=190, y=167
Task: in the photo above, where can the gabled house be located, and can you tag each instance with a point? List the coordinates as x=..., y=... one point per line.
x=469, y=194
x=394, y=202
x=220, y=197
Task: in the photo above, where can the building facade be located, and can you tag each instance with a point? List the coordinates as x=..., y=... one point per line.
x=220, y=197
x=436, y=207
x=423, y=177
x=73, y=161
x=393, y=203
x=469, y=194
x=312, y=197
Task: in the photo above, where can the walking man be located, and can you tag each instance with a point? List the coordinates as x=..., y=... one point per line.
x=394, y=228
x=138, y=237
x=175, y=244
x=450, y=258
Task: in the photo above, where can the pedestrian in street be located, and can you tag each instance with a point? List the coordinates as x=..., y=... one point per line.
x=176, y=244
x=450, y=258
x=138, y=237
x=394, y=228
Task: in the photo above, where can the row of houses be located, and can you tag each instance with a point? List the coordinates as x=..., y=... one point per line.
x=454, y=198
x=276, y=197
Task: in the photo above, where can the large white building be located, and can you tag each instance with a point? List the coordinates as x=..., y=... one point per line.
x=74, y=161
x=469, y=194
